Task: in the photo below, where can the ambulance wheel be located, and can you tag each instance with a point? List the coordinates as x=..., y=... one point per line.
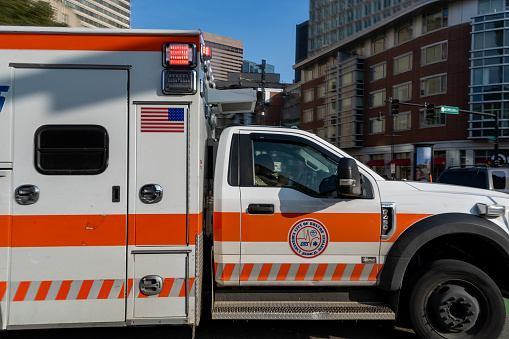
x=455, y=300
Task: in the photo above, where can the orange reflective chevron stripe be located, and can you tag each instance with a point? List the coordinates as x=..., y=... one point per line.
x=86, y=289
x=297, y=272
x=42, y=293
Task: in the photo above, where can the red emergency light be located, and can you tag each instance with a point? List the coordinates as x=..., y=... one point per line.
x=206, y=53
x=179, y=55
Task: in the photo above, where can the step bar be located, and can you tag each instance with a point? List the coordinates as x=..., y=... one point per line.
x=301, y=310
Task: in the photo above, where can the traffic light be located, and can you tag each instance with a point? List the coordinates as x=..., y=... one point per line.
x=394, y=106
x=430, y=111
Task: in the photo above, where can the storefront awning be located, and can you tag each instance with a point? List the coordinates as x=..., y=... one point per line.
x=375, y=163
x=400, y=162
x=439, y=161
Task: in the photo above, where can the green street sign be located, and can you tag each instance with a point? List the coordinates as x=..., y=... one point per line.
x=449, y=110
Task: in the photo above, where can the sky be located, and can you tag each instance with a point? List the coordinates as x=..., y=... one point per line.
x=267, y=27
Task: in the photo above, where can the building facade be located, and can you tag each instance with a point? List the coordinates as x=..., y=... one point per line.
x=93, y=13
x=227, y=55
x=449, y=53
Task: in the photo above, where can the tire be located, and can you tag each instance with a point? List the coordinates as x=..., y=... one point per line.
x=453, y=299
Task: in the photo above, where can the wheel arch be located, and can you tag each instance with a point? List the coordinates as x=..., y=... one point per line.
x=435, y=230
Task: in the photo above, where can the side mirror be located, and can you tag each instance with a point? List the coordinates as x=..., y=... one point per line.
x=349, y=179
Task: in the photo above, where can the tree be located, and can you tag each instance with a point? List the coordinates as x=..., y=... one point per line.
x=27, y=13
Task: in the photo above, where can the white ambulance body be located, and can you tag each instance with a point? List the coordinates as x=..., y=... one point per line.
x=106, y=203
x=87, y=139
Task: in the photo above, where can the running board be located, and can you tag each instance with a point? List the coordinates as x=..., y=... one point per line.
x=301, y=310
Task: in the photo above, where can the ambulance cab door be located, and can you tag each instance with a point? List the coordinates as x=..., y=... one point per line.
x=295, y=229
x=70, y=196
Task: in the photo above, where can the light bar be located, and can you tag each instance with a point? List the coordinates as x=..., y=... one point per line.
x=179, y=55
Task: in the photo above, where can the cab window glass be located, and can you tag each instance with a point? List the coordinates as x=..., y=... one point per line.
x=294, y=165
x=499, y=178
x=71, y=149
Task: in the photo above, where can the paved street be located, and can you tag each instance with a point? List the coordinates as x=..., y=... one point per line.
x=238, y=329
x=234, y=330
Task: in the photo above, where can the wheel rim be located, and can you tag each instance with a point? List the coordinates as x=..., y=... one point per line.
x=455, y=306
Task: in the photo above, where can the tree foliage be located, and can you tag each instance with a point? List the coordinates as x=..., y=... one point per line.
x=27, y=13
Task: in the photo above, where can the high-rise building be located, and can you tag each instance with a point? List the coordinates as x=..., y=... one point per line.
x=227, y=55
x=331, y=21
x=93, y=13
x=446, y=53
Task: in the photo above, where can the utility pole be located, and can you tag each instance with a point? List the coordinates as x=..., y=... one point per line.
x=263, y=91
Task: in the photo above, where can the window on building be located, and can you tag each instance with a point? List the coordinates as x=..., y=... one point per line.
x=332, y=85
x=434, y=85
x=347, y=79
x=376, y=126
x=494, y=39
x=403, y=63
x=487, y=75
x=438, y=119
x=307, y=75
x=307, y=116
x=434, y=21
x=377, y=99
x=378, y=45
x=378, y=71
x=321, y=91
x=490, y=6
x=71, y=149
x=320, y=113
x=402, y=92
x=309, y=95
x=402, y=121
x=434, y=53
x=403, y=34
x=346, y=104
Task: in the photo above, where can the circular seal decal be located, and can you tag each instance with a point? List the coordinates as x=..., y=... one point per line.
x=308, y=238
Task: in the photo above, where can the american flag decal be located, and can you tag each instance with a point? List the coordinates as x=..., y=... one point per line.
x=162, y=119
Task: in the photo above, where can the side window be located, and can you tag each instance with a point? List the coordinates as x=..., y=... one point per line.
x=294, y=165
x=71, y=149
x=499, y=179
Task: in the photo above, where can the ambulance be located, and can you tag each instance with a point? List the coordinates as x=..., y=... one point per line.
x=120, y=207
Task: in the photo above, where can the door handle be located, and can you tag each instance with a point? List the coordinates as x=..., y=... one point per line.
x=115, y=194
x=26, y=194
x=260, y=209
x=151, y=193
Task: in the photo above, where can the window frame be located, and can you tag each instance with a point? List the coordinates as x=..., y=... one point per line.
x=399, y=57
x=442, y=59
x=371, y=124
x=39, y=150
x=397, y=117
x=372, y=72
x=407, y=84
x=246, y=162
x=372, y=96
x=397, y=33
x=443, y=86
